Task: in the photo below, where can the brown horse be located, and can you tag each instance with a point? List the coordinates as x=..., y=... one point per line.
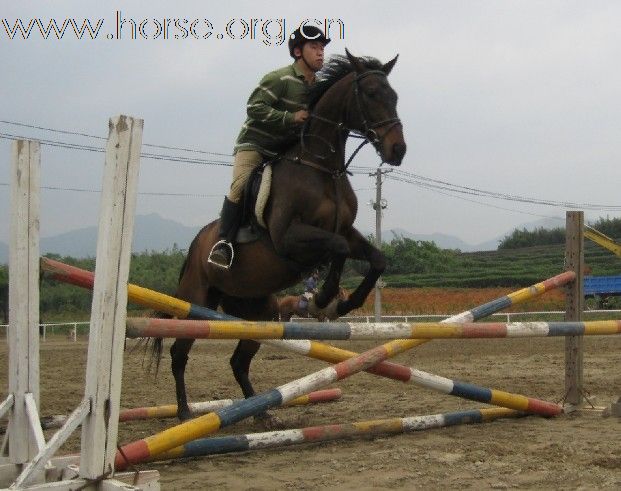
x=292, y=305
x=309, y=215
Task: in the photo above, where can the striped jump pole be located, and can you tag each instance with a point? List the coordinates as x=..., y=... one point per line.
x=209, y=329
x=386, y=369
x=313, y=349
x=182, y=309
x=332, y=354
x=144, y=449
x=196, y=408
x=326, y=433
x=136, y=294
x=209, y=423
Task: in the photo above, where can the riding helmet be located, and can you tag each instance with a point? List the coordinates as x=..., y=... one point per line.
x=303, y=34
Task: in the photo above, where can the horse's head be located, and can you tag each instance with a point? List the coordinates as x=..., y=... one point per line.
x=374, y=111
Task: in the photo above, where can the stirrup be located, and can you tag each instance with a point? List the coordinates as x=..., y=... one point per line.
x=215, y=246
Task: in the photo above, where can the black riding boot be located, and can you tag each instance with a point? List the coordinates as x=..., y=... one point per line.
x=222, y=252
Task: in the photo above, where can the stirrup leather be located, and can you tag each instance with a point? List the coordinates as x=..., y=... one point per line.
x=215, y=246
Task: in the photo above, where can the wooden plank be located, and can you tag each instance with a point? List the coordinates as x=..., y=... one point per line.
x=34, y=422
x=109, y=308
x=574, y=306
x=144, y=480
x=35, y=466
x=6, y=405
x=23, y=330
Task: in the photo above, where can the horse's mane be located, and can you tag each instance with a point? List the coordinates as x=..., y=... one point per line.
x=337, y=67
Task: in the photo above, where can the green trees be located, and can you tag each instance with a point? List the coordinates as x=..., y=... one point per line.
x=523, y=258
x=406, y=256
x=525, y=238
x=542, y=236
x=608, y=226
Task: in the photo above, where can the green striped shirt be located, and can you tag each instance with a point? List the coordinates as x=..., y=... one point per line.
x=269, y=128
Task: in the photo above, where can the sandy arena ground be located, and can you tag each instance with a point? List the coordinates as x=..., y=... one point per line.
x=581, y=451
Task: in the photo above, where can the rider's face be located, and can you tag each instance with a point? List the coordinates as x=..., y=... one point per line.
x=312, y=51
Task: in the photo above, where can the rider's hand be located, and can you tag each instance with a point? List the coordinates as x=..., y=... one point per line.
x=300, y=116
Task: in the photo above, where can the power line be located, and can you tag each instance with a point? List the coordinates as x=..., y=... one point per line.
x=143, y=193
x=90, y=148
x=489, y=205
x=76, y=133
x=430, y=183
x=437, y=185
x=153, y=156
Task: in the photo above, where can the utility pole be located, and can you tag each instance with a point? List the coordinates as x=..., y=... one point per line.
x=378, y=205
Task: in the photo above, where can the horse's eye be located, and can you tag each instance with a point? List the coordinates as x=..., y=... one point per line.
x=372, y=94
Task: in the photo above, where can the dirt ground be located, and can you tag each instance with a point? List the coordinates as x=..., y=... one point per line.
x=580, y=451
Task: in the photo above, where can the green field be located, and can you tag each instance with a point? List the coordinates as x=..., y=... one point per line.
x=512, y=268
x=412, y=264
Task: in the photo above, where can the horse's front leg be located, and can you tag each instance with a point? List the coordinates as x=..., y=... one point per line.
x=330, y=288
x=309, y=245
x=362, y=249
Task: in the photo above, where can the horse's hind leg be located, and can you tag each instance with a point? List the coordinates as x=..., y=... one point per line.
x=265, y=309
x=240, y=363
x=179, y=359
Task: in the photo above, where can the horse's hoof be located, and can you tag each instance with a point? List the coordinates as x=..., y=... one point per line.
x=184, y=414
x=312, y=308
x=269, y=421
x=329, y=312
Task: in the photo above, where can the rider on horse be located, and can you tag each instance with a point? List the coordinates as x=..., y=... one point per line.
x=276, y=109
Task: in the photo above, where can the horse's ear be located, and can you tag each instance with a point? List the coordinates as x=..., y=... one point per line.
x=355, y=62
x=387, y=68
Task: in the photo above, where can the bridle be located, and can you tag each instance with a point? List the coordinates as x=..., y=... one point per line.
x=369, y=128
x=368, y=131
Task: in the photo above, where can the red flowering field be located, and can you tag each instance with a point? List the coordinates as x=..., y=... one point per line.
x=401, y=301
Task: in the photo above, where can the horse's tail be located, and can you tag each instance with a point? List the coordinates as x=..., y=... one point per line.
x=157, y=345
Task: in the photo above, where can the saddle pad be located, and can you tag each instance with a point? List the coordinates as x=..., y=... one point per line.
x=263, y=195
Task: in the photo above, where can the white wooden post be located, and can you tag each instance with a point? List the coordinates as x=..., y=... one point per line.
x=99, y=410
x=574, y=305
x=109, y=308
x=23, y=329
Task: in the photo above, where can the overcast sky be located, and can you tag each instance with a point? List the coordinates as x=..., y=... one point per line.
x=521, y=98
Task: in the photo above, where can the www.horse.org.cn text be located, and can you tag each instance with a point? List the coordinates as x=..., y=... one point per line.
x=270, y=31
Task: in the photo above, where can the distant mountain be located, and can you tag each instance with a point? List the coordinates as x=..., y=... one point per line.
x=443, y=241
x=151, y=232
